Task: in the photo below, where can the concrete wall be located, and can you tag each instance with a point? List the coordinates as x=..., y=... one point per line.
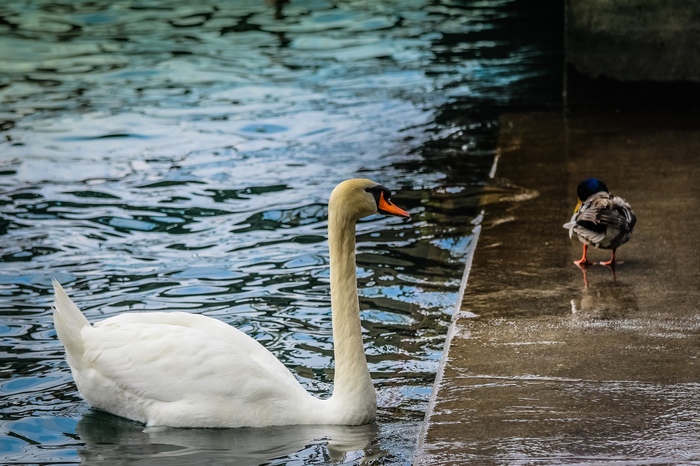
x=634, y=40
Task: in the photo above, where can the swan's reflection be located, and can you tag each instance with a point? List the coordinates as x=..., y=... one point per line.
x=113, y=440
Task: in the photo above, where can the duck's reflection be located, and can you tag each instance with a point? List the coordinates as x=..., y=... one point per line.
x=606, y=301
x=584, y=269
x=113, y=440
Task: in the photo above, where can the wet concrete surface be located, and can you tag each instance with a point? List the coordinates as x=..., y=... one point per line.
x=542, y=369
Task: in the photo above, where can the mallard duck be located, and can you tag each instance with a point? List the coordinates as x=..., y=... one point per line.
x=600, y=219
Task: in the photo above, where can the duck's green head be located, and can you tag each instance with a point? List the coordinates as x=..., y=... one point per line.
x=589, y=187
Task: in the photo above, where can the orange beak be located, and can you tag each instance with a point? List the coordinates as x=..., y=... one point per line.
x=386, y=207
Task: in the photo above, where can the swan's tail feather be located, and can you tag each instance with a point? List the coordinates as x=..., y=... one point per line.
x=69, y=322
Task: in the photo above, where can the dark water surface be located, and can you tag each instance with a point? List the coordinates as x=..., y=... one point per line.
x=179, y=155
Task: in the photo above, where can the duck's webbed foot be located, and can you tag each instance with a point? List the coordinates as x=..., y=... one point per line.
x=611, y=263
x=583, y=261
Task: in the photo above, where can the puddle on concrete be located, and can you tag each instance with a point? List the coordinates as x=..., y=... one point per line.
x=547, y=369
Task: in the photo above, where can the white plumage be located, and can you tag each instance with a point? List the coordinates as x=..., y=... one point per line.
x=187, y=370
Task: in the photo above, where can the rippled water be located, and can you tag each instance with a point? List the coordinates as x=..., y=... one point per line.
x=158, y=155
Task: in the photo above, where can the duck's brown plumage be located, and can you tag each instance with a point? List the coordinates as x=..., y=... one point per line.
x=601, y=219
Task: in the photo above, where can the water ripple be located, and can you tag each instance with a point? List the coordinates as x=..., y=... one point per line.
x=180, y=157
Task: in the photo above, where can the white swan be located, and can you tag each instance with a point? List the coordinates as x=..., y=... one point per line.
x=186, y=370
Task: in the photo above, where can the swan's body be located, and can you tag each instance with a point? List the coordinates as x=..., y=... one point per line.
x=600, y=220
x=186, y=370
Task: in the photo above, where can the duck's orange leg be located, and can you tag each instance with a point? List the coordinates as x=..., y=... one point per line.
x=611, y=262
x=584, y=271
x=584, y=259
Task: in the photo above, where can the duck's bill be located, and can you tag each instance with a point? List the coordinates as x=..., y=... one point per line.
x=387, y=208
x=578, y=206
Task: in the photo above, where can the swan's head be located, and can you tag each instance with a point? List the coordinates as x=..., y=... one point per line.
x=359, y=198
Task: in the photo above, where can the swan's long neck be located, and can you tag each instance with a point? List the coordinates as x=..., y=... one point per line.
x=352, y=381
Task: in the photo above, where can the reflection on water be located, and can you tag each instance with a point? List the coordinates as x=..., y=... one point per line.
x=109, y=439
x=180, y=156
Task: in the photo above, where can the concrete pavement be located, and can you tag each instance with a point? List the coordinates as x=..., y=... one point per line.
x=541, y=369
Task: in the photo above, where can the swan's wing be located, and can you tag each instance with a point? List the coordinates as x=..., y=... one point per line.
x=176, y=356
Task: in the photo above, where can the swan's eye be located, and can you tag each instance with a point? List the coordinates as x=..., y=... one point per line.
x=382, y=197
x=377, y=192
